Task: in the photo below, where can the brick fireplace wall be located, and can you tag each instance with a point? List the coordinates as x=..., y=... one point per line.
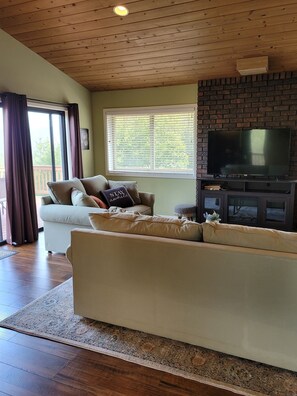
x=261, y=101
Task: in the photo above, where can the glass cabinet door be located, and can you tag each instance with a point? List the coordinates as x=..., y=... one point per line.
x=213, y=203
x=275, y=210
x=242, y=210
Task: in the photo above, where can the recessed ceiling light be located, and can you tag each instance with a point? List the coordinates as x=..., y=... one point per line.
x=120, y=10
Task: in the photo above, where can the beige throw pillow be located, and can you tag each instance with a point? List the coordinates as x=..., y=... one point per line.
x=78, y=198
x=253, y=237
x=160, y=226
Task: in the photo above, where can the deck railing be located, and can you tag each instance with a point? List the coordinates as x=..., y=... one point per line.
x=42, y=175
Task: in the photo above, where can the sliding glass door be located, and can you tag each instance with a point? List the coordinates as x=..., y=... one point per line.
x=2, y=183
x=48, y=140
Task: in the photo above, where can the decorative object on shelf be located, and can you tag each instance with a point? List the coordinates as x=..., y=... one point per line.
x=210, y=187
x=214, y=217
x=84, y=138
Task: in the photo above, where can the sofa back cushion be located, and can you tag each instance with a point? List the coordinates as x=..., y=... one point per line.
x=60, y=191
x=131, y=186
x=93, y=185
x=161, y=226
x=252, y=237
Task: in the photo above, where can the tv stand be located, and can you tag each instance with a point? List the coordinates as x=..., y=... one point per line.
x=249, y=201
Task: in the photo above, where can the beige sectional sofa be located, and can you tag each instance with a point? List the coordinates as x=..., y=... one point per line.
x=61, y=213
x=214, y=291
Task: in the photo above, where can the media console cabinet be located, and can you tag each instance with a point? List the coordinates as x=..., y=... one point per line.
x=255, y=202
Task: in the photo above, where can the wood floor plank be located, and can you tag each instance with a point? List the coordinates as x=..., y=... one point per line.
x=31, y=366
x=13, y=390
x=48, y=283
x=22, y=288
x=6, y=334
x=97, y=370
x=15, y=300
x=21, y=383
x=6, y=311
x=30, y=359
x=47, y=346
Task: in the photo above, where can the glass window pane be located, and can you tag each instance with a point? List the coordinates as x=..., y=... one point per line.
x=131, y=150
x=41, y=154
x=46, y=131
x=174, y=142
x=56, y=123
x=151, y=140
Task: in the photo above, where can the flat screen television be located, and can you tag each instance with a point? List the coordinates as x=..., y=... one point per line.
x=252, y=152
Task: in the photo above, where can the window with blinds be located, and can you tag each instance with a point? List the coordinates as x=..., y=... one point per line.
x=151, y=140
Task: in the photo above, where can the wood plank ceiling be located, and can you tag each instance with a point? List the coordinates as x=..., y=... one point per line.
x=160, y=42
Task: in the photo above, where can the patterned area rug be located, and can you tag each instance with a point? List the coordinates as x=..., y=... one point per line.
x=6, y=253
x=51, y=316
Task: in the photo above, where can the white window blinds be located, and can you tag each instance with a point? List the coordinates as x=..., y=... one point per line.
x=158, y=140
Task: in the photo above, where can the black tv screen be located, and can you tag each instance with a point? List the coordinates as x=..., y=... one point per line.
x=255, y=152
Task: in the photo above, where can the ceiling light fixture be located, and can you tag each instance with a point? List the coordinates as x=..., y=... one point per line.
x=120, y=10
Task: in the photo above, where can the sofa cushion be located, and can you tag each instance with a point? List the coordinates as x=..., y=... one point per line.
x=161, y=226
x=131, y=186
x=118, y=197
x=252, y=237
x=60, y=191
x=94, y=184
x=79, y=198
x=68, y=214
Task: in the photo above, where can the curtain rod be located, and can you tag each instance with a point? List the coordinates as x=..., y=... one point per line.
x=43, y=101
x=47, y=102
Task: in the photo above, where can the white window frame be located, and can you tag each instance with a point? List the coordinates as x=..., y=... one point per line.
x=150, y=110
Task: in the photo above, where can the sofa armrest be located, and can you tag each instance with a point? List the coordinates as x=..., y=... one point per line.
x=46, y=200
x=147, y=199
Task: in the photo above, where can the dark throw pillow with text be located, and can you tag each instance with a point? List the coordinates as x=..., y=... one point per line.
x=118, y=197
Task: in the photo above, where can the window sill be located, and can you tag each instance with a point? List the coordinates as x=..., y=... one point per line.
x=152, y=175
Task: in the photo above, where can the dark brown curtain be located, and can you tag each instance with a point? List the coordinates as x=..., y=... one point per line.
x=75, y=144
x=21, y=208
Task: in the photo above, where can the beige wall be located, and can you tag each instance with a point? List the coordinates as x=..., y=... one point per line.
x=169, y=192
x=24, y=72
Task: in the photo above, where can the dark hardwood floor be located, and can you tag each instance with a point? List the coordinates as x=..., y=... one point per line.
x=34, y=366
